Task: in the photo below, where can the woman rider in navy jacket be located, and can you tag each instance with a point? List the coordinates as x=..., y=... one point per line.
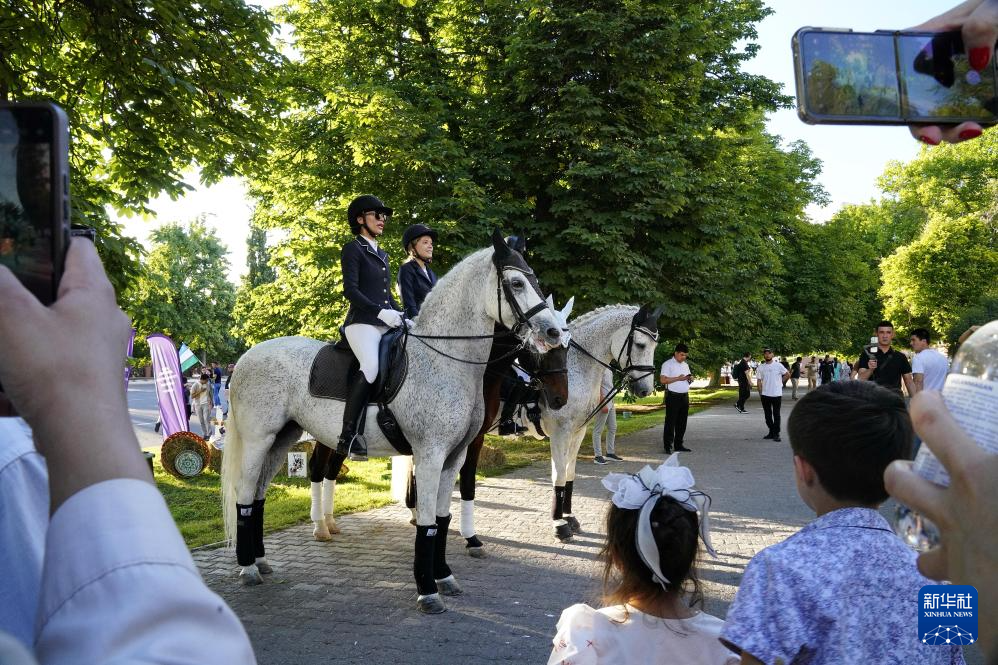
x=415, y=277
x=367, y=285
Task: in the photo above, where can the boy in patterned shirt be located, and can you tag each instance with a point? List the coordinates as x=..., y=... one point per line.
x=844, y=589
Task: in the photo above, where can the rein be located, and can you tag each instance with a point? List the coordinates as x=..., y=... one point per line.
x=522, y=320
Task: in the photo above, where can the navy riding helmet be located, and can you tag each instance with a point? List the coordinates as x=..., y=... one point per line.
x=363, y=204
x=415, y=232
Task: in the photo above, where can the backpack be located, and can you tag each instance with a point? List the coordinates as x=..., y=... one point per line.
x=736, y=371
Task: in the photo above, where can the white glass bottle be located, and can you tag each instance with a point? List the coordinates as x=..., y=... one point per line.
x=971, y=395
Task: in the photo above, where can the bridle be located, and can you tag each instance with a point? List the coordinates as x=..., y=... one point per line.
x=620, y=372
x=503, y=287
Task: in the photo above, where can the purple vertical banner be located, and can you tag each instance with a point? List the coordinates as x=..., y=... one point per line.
x=169, y=383
x=128, y=355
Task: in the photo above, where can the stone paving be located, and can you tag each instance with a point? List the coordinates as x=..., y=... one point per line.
x=353, y=600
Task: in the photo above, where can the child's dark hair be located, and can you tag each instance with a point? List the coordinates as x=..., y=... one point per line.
x=849, y=431
x=625, y=575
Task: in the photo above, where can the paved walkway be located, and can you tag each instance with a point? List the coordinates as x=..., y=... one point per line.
x=353, y=600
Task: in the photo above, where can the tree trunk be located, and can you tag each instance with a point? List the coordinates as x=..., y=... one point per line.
x=714, y=380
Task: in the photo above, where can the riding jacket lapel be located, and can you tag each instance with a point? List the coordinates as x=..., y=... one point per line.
x=381, y=254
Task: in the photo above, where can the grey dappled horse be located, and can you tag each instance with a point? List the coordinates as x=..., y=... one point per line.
x=439, y=408
x=624, y=336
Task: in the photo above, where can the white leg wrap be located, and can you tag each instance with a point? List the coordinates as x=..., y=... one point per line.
x=315, y=514
x=328, y=492
x=467, y=519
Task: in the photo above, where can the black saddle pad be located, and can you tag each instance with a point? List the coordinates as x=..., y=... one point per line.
x=335, y=365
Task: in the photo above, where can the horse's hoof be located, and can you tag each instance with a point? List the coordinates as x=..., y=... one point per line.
x=320, y=531
x=250, y=576
x=563, y=532
x=430, y=604
x=475, y=547
x=263, y=566
x=331, y=524
x=448, y=586
x=574, y=523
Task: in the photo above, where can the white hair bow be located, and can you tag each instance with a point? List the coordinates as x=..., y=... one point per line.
x=642, y=491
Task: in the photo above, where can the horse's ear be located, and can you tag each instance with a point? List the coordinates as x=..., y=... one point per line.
x=567, y=309
x=499, y=244
x=550, y=301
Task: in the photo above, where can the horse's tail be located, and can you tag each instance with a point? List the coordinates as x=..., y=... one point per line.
x=232, y=460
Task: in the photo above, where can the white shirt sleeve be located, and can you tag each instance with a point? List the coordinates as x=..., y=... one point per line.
x=917, y=364
x=119, y=585
x=24, y=517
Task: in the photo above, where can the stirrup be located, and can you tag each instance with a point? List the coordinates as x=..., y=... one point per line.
x=355, y=450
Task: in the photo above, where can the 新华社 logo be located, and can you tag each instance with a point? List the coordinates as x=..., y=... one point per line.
x=947, y=614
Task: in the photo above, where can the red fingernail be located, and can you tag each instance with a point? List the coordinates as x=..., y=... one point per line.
x=929, y=140
x=969, y=134
x=979, y=56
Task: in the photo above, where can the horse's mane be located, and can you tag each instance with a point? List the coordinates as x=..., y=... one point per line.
x=457, y=273
x=592, y=314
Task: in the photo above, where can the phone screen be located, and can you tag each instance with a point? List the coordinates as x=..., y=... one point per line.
x=892, y=77
x=851, y=74
x=27, y=176
x=938, y=82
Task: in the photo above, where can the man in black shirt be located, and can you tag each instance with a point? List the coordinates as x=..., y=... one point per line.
x=825, y=369
x=741, y=373
x=884, y=365
x=795, y=375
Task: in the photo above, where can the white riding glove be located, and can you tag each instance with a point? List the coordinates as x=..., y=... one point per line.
x=391, y=318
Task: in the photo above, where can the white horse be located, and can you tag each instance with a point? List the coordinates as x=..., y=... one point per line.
x=623, y=336
x=439, y=407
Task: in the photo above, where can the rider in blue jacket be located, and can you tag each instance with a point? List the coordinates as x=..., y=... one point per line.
x=415, y=276
x=373, y=310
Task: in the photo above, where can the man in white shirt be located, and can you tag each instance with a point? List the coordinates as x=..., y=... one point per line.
x=770, y=377
x=676, y=378
x=928, y=367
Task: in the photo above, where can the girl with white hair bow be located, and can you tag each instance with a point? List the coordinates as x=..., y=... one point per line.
x=650, y=582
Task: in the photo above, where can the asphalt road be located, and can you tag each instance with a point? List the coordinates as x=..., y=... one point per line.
x=144, y=411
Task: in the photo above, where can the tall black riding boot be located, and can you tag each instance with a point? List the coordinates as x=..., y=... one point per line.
x=355, y=409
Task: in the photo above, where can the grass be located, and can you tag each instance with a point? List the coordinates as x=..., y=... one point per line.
x=195, y=503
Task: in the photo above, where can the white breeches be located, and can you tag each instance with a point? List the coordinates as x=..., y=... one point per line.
x=364, y=340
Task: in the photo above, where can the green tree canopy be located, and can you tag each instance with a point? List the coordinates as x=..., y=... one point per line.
x=949, y=269
x=151, y=88
x=623, y=138
x=184, y=291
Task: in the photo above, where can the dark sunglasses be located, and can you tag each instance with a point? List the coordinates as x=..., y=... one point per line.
x=380, y=216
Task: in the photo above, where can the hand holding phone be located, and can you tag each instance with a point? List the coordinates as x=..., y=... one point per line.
x=891, y=78
x=977, y=21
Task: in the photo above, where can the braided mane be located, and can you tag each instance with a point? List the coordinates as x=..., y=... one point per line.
x=592, y=314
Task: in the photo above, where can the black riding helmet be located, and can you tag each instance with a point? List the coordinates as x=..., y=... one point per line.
x=518, y=243
x=415, y=232
x=363, y=204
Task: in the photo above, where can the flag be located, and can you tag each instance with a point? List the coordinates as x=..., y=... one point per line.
x=187, y=358
x=169, y=384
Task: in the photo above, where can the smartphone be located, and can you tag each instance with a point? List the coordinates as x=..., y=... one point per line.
x=34, y=194
x=890, y=78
